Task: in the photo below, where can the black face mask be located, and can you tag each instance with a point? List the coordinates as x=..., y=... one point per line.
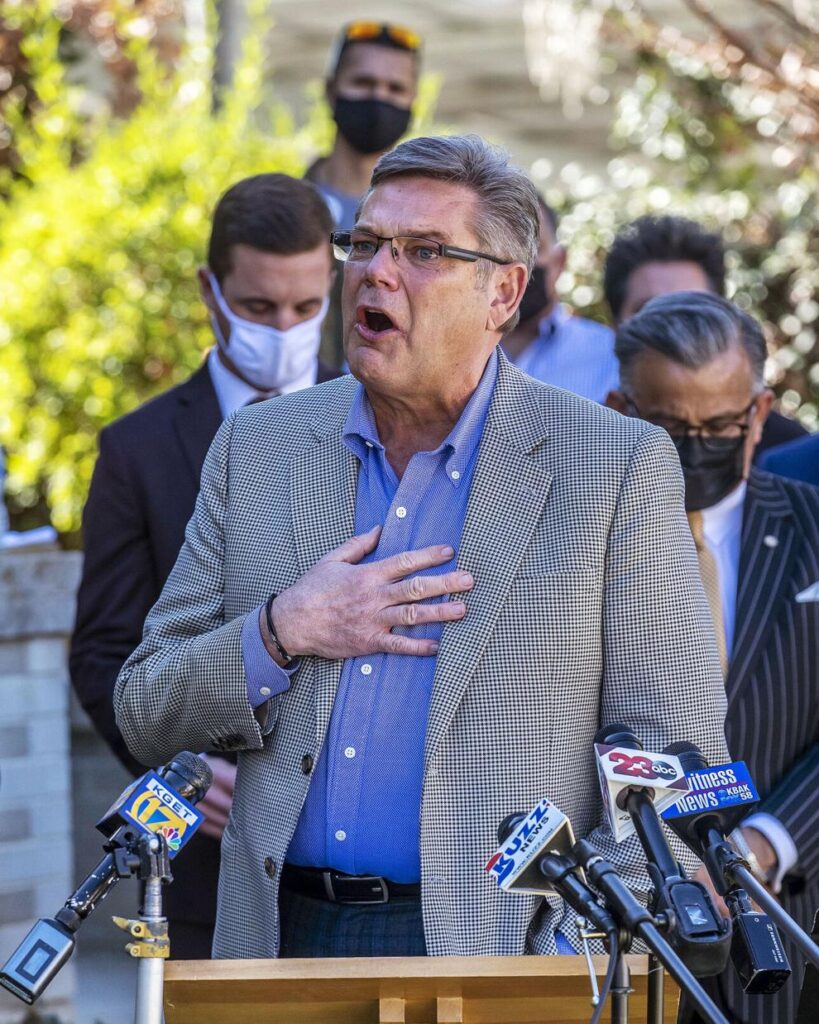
x=535, y=297
x=710, y=473
x=370, y=126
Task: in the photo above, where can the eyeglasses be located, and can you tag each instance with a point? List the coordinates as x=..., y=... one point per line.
x=713, y=434
x=420, y=253
x=380, y=32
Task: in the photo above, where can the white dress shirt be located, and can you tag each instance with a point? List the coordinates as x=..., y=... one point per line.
x=233, y=393
x=722, y=532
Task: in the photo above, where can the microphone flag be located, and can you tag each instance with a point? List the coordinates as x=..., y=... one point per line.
x=515, y=864
x=620, y=768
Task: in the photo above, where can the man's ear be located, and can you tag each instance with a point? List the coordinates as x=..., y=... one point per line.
x=764, y=402
x=205, y=288
x=617, y=400
x=557, y=262
x=509, y=286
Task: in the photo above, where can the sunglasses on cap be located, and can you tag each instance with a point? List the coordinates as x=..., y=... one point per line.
x=380, y=32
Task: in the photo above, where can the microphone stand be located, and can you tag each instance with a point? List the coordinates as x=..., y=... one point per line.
x=640, y=922
x=150, y=929
x=735, y=870
x=656, y=991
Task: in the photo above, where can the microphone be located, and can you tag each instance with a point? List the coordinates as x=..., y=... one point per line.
x=634, y=917
x=719, y=799
x=533, y=858
x=160, y=803
x=699, y=934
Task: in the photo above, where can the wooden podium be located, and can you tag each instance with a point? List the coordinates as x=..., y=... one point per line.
x=396, y=990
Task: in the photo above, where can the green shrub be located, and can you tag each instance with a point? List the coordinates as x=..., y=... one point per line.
x=98, y=294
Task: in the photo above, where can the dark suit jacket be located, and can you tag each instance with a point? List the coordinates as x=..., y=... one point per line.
x=778, y=430
x=773, y=711
x=798, y=460
x=142, y=495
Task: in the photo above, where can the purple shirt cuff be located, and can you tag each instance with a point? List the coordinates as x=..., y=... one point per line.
x=265, y=679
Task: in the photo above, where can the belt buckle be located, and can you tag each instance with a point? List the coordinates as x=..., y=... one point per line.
x=327, y=877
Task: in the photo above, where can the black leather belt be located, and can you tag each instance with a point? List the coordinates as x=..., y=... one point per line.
x=339, y=888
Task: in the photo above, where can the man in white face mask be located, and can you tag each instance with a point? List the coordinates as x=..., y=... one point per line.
x=269, y=272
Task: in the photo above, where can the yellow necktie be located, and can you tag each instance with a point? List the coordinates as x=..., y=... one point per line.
x=710, y=580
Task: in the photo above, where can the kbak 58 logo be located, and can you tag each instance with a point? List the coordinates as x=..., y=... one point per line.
x=154, y=807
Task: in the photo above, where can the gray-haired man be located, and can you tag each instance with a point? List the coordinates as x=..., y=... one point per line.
x=693, y=364
x=411, y=613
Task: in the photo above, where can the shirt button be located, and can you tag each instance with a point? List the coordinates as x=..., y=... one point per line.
x=349, y=751
x=270, y=867
x=366, y=669
x=307, y=764
x=265, y=691
x=455, y=474
x=341, y=835
x=400, y=511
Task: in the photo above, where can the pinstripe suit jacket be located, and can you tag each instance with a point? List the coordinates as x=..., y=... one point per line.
x=587, y=607
x=773, y=686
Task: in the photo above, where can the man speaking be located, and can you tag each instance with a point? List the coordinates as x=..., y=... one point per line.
x=410, y=596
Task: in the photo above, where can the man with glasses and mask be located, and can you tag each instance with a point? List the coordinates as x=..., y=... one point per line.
x=692, y=363
x=657, y=255
x=408, y=596
x=265, y=286
x=549, y=342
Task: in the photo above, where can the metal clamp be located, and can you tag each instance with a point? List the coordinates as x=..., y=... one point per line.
x=153, y=943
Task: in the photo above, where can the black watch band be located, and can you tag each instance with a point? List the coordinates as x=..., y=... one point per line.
x=286, y=658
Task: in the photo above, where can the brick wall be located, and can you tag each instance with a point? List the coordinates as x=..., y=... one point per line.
x=36, y=866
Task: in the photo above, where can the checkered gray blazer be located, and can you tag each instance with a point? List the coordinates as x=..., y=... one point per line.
x=587, y=608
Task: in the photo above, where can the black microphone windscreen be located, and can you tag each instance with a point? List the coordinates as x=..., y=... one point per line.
x=691, y=757
x=508, y=826
x=617, y=735
x=190, y=776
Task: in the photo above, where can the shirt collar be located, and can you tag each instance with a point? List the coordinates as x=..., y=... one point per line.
x=725, y=518
x=231, y=392
x=360, y=432
x=553, y=321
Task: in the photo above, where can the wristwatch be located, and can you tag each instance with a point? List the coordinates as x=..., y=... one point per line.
x=740, y=844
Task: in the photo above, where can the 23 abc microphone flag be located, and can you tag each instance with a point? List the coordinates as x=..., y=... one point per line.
x=620, y=768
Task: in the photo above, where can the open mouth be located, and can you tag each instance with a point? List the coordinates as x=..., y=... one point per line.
x=375, y=320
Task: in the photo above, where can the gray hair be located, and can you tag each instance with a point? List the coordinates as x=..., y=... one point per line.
x=507, y=222
x=690, y=328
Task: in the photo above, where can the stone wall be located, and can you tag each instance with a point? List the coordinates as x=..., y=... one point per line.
x=36, y=851
x=56, y=778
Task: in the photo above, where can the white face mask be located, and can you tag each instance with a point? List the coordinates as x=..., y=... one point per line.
x=268, y=359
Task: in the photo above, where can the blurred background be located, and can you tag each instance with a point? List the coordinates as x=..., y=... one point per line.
x=122, y=121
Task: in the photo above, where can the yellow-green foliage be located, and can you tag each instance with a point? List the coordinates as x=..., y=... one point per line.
x=98, y=293
x=101, y=237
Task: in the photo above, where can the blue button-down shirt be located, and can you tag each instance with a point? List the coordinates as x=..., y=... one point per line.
x=572, y=353
x=362, y=813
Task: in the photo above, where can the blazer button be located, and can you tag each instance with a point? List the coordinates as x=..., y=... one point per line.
x=270, y=867
x=307, y=764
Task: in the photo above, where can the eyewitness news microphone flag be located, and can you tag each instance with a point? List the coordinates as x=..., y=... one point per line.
x=722, y=788
x=152, y=806
x=515, y=864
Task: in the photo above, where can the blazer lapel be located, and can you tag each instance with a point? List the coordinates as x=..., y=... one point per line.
x=508, y=493
x=323, y=493
x=197, y=418
x=770, y=544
